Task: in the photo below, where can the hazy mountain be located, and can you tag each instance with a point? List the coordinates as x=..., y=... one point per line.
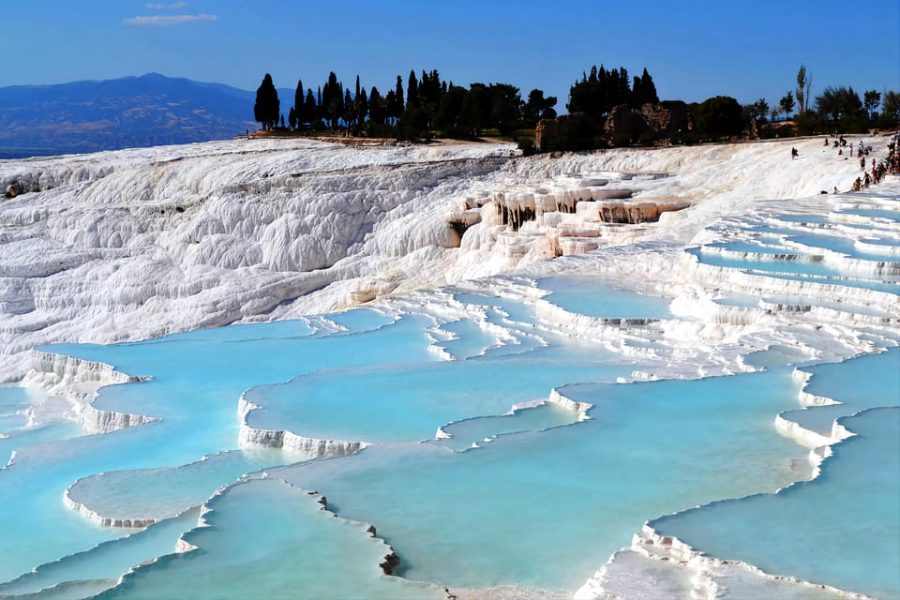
x=86, y=116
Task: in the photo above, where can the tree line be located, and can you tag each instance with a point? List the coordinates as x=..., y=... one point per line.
x=425, y=107
x=837, y=108
x=597, y=93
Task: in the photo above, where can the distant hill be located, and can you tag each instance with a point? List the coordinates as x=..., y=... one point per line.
x=150, y=110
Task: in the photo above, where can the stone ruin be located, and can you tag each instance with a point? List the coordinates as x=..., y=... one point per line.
x=657, y=121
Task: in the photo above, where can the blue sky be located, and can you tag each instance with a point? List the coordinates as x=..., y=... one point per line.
x=693, y=48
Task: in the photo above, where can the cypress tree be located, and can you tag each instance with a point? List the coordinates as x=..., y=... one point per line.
x=299, y=107
x=320, y=109
x=412, y=91
x=333, y=99
x=390, y=106
x=623, y=90
x=644, y=90
x=650, y=88
x=362, y=107
x=267, y=106
x=376, y=107
x=310, y=110
x=398, y=98
x=348, y=110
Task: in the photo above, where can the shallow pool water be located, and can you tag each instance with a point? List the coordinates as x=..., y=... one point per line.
x=748, y=247
x=197, y=380
x=515, y=311
x=410, y=403
x=267, y=539
x=839, y=244
x=98, y=568
x=473, y=433
x=849, y=517
x=600, y=298
x=509, y=507
x=791, y=267
x=468, y=340
x=152, y=472
x=500, y=452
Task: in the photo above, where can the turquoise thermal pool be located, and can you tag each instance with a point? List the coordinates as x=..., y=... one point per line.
x=505, y=433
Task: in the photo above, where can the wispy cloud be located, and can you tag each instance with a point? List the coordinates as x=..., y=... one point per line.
x=170, y=19
x=166, y=5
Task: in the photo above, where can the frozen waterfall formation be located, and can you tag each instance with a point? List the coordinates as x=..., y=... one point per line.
x=571, y=352
x=574, y=215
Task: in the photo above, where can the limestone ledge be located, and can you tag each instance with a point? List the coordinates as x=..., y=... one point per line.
x=98, y=519
x=308, y=447
x=79, y=381
x=708, y=575
x=692, y=270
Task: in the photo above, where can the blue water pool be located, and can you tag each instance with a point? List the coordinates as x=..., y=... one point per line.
x=600, y=298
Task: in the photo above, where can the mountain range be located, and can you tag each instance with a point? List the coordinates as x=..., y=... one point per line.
x=150, y=110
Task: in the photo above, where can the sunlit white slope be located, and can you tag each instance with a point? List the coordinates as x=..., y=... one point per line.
x=137, y=243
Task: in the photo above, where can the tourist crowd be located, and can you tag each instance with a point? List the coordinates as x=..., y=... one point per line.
x=878, y=170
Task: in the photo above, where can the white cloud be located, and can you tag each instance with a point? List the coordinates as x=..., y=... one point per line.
x=166, y=6
x=170, y=19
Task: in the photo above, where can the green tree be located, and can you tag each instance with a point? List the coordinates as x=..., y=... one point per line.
x=377, y=113
x=839, y=104
x=292, y=118
x=538, y=107
x=310, y=109
x=348, y=108
x=398, y=99
x=505, y=107
x=299, y=107
x=320, y=106
x=391, y=104
x=362, y=107
x=430, y=89
x=414, y=123
x=267, y=107
x=449, y=114
x=598, y=93
x=476, y=108
x=890, y=106
x=717, y=117
x=787, y=103
x=871, y=100
x=762, y=110
x=804, y=83
x=644, y=90
x=333, y=100
x=412, y=91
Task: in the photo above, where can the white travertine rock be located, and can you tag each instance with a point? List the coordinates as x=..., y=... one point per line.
x=308, y=447
x=132, y=244
x=79, y=381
